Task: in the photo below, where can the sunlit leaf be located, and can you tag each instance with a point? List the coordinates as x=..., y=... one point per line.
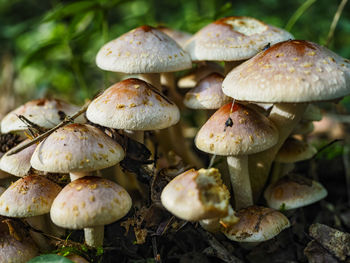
x=50, y=258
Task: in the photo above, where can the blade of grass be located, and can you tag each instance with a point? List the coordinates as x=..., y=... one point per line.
x=335, y=22
x=298, y=13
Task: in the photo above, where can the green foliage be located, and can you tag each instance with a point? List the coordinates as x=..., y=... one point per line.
x=50, y=258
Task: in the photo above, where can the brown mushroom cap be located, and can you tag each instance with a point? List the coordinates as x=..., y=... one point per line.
x=46, y=113
x=179, y=36
x=294, y=150
x=257, y=224
x=291, y=71
x=76, y=148
x=18, y=164
x=88, y=202
x=207, y=94
x=195, y=195
x=233, y=39
x=133, y=104
x=29, y=196
x=249, y=133
x=294, y=191
x=143, y=50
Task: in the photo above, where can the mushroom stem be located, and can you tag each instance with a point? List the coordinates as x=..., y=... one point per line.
x=135, y=135
x=94, y=236
x=77, y=175
x=238, y=167
x=153, y=79
x=38, y=223
x=279, y=170
x=285, y=116
x=229, y=65
x=169, y=81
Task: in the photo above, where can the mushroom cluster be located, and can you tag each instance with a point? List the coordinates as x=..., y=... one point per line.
x=259, y=118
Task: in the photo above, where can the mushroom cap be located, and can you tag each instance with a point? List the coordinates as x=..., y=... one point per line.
x=143, y=50
x=46, y=113
x=18, y=164
x=294, y=191
x=257, y=224
x=133, y=104
x=180, y=37
x=250, y=132
x=291, y=71
x=195, y=195
x=233, y=38
x=29, y=196
x=294, y=150
x=207, y=94
x=88, y=202
x=76, y=148
x=191, y=79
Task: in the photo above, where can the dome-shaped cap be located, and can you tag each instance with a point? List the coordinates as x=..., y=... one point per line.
x=18, y=164
x=291, y=71
x=195, y=195
x=133, y=104
x=233, y=38
x=90, y=201
x=76, y=148
x=294, y=150
x=29, y=196
x=246, y=132
x=180, y=37
x=293, y=191
x=46, y=113
x=207, y=94
x=257, y=224
x=143, y=50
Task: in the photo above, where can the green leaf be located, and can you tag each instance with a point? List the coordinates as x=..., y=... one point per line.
x=39, y=52
x=50, y=258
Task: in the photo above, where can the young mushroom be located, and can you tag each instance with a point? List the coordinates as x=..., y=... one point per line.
x=89, y=203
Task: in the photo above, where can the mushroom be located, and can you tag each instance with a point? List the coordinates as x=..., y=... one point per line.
x=236, y=131
x=293, y=191
x=30, y=197
x=76, y=149
x=290, y=74
x=89, y=203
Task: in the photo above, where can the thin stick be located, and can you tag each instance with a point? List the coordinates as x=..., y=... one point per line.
x=66, y=121
x=298, y=13
x=335, y=21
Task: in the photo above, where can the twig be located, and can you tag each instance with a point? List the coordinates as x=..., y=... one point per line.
x=66, y=121
x=335, y=21
x=326, y=147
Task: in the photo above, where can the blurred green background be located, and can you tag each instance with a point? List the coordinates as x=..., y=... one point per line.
x=48, y=48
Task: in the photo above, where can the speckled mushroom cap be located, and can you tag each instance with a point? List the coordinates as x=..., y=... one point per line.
x=207, y=94
x=29, y=196
x=233, y=38
x=18, y=164
x=294, y=150
x=76, y=148
x=143, y=50
x=294, y=191
x=257, y=224
x=133, y=104
x=46, y=113
x=194, y=76
x=195, y=195
x=249, y=132
x=180, y=37
x=90, y=201
x=291, y=71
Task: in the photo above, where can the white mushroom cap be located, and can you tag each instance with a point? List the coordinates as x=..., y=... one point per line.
x=294, y=191
x=179, y=36
x=18, y=164
x=143, y=50
x=294, y=150
x=257, y=224
x=76, y=148
x=43, y=112
x=88, y=202
x=233, y=39
x=291, y=71
x=249, y=133
x=195, y=195
x=29, y=196
x=133, y=104
x=207, y=94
